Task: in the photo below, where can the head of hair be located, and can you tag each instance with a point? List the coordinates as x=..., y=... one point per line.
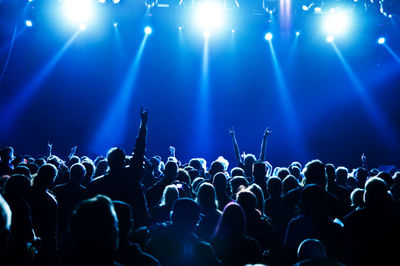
x=170, y=194
x=249, y=160
x=274, y=186
x=116, y=158
x=257, y=191
x=311, y=249
x=295, y=171
x=197, y=182
x=376, y=193
x=351, y=182
x=73, y=160
x=101, y=167
x=289, y=183
x=23, y=170
x=206, y=196
x=33, y=168
x=341, y=175
x=237, y=171
x=220, y=181
x=77, y=173
x=40, y=162
x=282, y=173
x=199, y=164
x=183, y=176
x=232, y=223
x=330, y=172
x=247, y=200
x=171, y=169
x=216, y=167
x=314, y=173
x=185, y=214
x=17, y=186
x=125, y=218
x=94, y=227
x=45, y=176
x=89, y=167
x=259, y=169
x=387, y=178
x=357, y=198
x=237, y=182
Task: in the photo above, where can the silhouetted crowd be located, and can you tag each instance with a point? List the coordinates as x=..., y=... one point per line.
x=129, y=209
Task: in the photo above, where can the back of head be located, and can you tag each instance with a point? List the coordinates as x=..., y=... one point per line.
x=357, y=198
x=45, y=177
x=198, y=164
x=311, y=249
x=219, y=181
x=237, y=171
x=295, y=171
x=17, y=186
x=232, y=223
x=94, y=227
x=6, y=154
x=313, y=201
x=330, y=171
x=73, y=160
x=185, y=214
x=341, y=175
x=249, y=160
x=77, y=173
x=23, y=170
x=376, y=194
x=387, y=178
x=216, y=167
x=116, y=159
x=170, y=194
x=206, y=196
x=289, y=183
x=247, y=200
x=237, y=182
x=274, y=186
x=259, y=169
x=283, y=173
x=125, y=219
x=171, y=169
x=183, y=176
x=314, y=173
x=197, y=182
x=257, y=191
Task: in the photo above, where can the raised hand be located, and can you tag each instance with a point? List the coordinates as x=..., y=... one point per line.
x=363, y=158
x=172, y=151
x=144, y=114
x=267, y=132
x=72, y=152
x=50, y=147
x=232, y=132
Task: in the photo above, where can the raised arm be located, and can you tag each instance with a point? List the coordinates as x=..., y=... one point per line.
x=364, y=161
x=49, y=149
x=140, y=145
x=235, y=145
x=264, y=144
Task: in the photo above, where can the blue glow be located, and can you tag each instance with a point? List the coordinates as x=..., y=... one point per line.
x=381, y=40
x=392, y=53
x=112, y=130
x=15, y=106
x=330, y=39
x=268, y=36
x=337, y=22
x=209, y=16
x=206, y=34
x=82, y=27
x=78, y=11
x=115, y=24
x=28, y=23
x=148, y=30
x=297, y=33
x=370, y=106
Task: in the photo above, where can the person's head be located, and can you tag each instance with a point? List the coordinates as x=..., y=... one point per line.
x=183, y=176
x=249, y=160
x=206, y=196
x=77, y=173
x=295, y=171
x=232, y=223
x=313, y=201
x=357, y=198
x=237, y=171
x=282, y=173
x=169, y=196
x=185, y=214
x=314, y=173
x=116, y=158
x=220, y=182
x=23, y=170
x=351, y=182
x=33, y=168
x=274, y=187
x=311, y=249
x=45, y=177
x=197, y=182
x=387, y=178
x=73, y=160
x=330, y=172
x=17, y=186
x=361, y=174
x=289, y=183
x=257, y=191
x=216, y=167
x=7, y=154
x=94, y=228
x=341, y=175
x=101, y=167
x=247, y=200
x=89, y=167
x=40, y=162
x=171, y=169
x=296, y=164
x=376, y=194
x=199, y=165
x=125, y=219
x=259, y=170
x=237, y=182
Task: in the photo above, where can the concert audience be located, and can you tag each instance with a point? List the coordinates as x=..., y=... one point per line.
x=128, y=210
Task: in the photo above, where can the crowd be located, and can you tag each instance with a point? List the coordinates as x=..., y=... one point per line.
x=129, y=209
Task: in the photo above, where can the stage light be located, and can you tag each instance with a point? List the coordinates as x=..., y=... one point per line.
x=337, y=22
x=268, y=36
x=330, y=38
x=115, y=24
x=317, y=9
x=116, y=1
x=180, y=27
x=206, y=34
x=148, y=30
x=78, y=11
x=381, y=40
x=209, y=16
x=102, y=1
x=297, y=33
x=28, y=23
x=82, y=26
x=305, y=8
x=233, y=30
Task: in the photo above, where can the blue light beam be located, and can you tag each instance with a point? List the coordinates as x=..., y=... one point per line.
x=10, y=111
x=392, y=53
x=389, y=137
x=112, y=130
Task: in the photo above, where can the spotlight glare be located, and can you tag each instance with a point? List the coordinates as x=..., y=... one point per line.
x=330, y=39
x=304, y=7
x=148, y=30
x=180, y=28
x=116, y=1
x=102, y=1
x=337, y=22
x=206, y=34
x=209, y=16
x=28, y=23
x=82, y=26
x=317, y=10
x=233, y=30
x=268, y=36
x=381, y=40
x=297, y=33
x=78, y=11
x=115, y=24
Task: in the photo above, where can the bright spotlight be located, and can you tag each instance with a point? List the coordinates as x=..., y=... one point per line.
x=297, y=33
x=116, y=1
x=180, y=27
x=337, y=22
x=115, y=24
x=317, y=9
x=206, y=34
x=233, y=30
x=78, y=11
x=82, y=26
x=209, y=16
x=330, y=38
x=381, y=40
x=148, y=30
x=28, y=23
x=102, y=1
x=268, y=36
